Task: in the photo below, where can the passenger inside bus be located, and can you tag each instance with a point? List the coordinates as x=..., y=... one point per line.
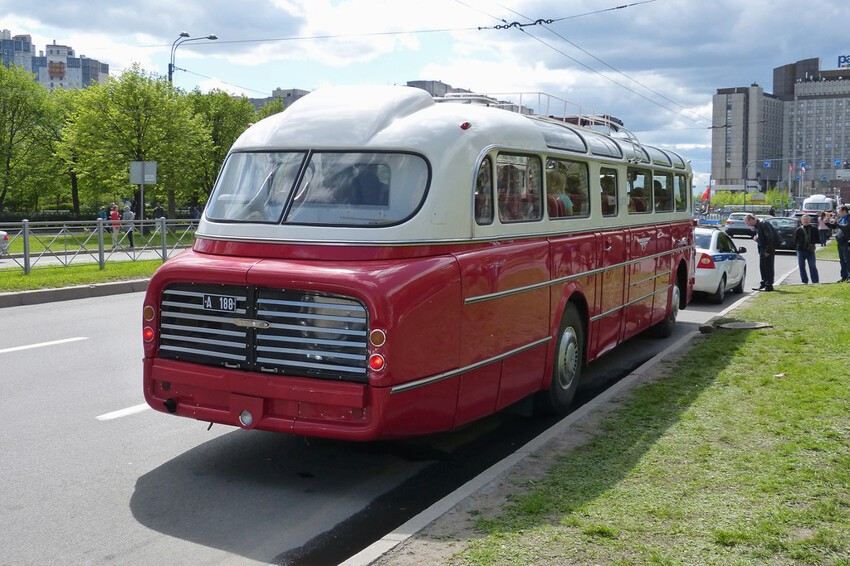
x=661, y=196
x=609, y=192
x=368, y=188
x=558, y=203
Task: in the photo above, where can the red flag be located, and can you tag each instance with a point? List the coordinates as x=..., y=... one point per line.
x=707, y=194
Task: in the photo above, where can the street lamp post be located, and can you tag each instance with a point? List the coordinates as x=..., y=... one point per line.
x=181, y=39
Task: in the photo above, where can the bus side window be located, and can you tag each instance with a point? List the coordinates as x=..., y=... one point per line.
x=681, y=192
x=519, y=188
x=662, y=193
x=567, y=188
x=608, y=183
x=484, y=193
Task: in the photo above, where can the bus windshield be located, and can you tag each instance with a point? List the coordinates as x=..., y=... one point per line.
x=334, y=188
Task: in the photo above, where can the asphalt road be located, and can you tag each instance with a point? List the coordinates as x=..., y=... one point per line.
x=91, y=476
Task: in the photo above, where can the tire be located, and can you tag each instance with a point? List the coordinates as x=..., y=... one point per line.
x=739, y=288
x=566, y=366
x=720, y=293
x=665, y=328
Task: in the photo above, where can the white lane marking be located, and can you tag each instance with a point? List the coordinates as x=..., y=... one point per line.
x=124, y=412
x=42, y=344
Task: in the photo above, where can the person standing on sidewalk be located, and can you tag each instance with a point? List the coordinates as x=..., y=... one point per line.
x=823, y=229
x=127, y=223
x=115, y=218
x=805, y=239
x=842, y=240
x=766, y=238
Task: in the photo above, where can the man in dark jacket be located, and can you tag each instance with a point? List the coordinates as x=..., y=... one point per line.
x=766, y=238
x=806, y=238
x=842, y=240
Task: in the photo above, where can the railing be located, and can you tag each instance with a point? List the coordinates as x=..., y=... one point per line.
x=94, y=241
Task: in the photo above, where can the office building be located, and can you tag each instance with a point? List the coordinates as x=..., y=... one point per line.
x=796, y=138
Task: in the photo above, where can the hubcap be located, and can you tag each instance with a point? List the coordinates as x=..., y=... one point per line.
x=567, y=358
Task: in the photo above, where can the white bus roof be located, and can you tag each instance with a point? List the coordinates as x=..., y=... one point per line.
x=451, y=137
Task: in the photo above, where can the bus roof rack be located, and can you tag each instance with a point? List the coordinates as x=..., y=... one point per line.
x=550, y=108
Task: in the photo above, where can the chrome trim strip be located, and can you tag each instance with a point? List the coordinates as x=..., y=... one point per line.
x=598, y=270
x=554, y=233
x=251, y=323
x=441, y=376
x=630, y=303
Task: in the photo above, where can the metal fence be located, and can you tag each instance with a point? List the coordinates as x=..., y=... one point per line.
x=93, y=241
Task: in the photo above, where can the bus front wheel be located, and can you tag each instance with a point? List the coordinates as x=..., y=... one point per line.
x=566, y=369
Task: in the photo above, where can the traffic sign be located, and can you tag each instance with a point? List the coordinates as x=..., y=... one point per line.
x=767, y=164
x=837, y=163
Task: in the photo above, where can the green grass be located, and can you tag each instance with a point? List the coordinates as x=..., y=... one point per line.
x=740, y=456
x=14, y=279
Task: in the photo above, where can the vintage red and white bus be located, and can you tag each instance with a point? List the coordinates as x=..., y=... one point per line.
x=376, y=263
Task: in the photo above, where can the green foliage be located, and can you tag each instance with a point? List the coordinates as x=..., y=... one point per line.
x=22, y=107
x=270, y=108
x=137, y=117
x=778, y=198
x=224, y=117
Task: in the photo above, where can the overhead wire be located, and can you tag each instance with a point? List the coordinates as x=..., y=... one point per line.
x=544, y=23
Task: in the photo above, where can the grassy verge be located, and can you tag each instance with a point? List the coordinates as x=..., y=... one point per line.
x=13, y=280
x=740, y=456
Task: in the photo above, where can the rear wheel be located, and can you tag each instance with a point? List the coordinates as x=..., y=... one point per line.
x=665, y=328
x=720, y=293
x=566, y=369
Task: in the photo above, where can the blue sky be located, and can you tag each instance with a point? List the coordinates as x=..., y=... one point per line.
x=655, y=64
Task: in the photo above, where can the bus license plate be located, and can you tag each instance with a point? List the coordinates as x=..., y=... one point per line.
x=219, y=303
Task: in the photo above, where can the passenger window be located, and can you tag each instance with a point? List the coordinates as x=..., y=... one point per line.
x=608, y=183
x=662, y=192
x=567, y=189
x=640, y=198
x=484, y=193
x=519, y=188
x=681, y=191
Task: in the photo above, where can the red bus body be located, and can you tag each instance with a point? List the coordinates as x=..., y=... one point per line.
x=415, y=324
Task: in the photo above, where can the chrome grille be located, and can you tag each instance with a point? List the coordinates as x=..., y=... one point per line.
x=269, y=330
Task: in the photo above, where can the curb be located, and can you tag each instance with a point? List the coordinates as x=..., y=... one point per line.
x=40, y=296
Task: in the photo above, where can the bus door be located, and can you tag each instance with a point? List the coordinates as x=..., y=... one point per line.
x=642, y=243
x=607, y=318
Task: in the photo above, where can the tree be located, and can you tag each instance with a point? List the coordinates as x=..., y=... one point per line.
x=225, y=118
x=53, y=172
x=136, y=117
x=22, y=101
x=270, y=108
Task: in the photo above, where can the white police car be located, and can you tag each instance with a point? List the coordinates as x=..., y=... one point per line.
x=719, y=264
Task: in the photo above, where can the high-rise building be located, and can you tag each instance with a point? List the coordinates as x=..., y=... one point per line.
x=797, y=138
x=56, y=66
